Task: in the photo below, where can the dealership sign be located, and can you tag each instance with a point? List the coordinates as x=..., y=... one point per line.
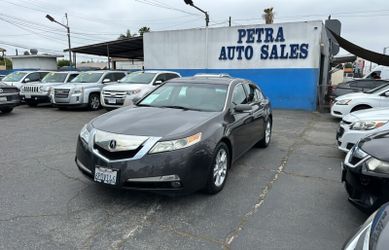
x=263, y=44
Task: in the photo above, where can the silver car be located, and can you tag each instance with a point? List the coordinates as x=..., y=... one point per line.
x=136, y=84
x=19, y=78
x=84, y=90
x=40, y=92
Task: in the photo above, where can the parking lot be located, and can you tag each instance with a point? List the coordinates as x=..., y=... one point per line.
x=287, y=196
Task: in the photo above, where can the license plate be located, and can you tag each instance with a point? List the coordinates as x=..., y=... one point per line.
x=111, y=100
x=27, y=96
x=3, y=99
x=105, y=175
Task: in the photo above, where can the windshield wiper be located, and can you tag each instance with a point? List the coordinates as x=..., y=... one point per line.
x=180, y=107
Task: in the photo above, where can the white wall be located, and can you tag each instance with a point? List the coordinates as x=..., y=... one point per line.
x=43, y=63
x=186, y=49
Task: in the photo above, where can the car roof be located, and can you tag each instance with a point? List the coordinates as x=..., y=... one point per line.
x=206, y=80
x=156, y=71
x=103, y=71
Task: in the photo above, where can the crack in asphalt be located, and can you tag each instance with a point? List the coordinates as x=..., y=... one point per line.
x=191, y=235
x=264, y=192
x=43, y=164
x=310, y=177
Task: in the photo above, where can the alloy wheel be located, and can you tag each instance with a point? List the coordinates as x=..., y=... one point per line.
x=220, y=168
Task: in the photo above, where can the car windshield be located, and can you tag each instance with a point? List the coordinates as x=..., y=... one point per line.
x=87, y=77
x=187, y=96
x=138, y=78
x=14, y=77
x=54, y=77
x=378, y=89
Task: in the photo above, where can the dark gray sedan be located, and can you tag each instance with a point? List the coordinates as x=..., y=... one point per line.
x=182, y=137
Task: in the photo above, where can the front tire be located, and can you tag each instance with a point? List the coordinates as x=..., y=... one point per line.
x=219, y=169
x=265, y=141
x=94, y=102
x=6, y=110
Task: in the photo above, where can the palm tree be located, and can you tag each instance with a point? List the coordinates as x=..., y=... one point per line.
x=268, y=15
x=127, y=35
x=143, y=30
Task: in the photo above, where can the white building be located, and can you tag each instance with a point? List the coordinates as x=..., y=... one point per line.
x=289, y=61
x=35, y=62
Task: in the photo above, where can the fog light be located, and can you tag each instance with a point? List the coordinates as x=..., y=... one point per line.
x=176, y=184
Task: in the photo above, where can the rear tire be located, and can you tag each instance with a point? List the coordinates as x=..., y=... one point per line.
x=266, y=139
x=94, y=102
x=219, y=169
x=360, y=107
x=6, y=110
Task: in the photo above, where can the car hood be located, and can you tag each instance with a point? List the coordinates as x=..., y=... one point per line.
x=352, y=96
x=126, y=86
x=368, y=115
x=76, y=85
x=149, y=121
x=376, y=145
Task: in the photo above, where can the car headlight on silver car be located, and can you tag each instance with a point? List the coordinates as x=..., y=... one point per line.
x=78, y=90
x=377, y=166
x=165, y=146
x=367, y=125
x=85, y=133
x=133, y=92
x=343, y=102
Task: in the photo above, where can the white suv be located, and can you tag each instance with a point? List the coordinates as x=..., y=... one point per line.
x=136, y=84
x=375, y=98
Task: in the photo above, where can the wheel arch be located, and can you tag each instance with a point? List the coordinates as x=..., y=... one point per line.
x=229, y=145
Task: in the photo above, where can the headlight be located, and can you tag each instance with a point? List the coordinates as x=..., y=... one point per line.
x=367, y=125
x=44, y=89
x=78, y=90
x=377, y=166
x=164, y=146
x=343, y=102
x=133, y=92
x=361, y=238
x=85, y=133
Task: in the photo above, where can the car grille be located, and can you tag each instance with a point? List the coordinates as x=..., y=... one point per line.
x=8, y=90
x=61, y=93
x=114, y=94
x=32, y=89
x=117, y=155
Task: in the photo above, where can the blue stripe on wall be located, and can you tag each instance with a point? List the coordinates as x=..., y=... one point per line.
x=289, y=88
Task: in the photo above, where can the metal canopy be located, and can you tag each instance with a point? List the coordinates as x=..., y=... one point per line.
x=372, y=56
x=131, y=48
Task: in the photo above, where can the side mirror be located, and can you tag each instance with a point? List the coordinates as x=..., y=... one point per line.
x=242, y=108
x=106, y=80
x=136, y=99
x=386, y=94
x=27, y=80
x=159, y=82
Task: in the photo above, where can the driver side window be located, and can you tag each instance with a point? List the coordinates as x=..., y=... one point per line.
x=239, y=95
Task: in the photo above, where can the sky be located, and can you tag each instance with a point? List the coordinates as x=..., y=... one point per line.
x=23, y=24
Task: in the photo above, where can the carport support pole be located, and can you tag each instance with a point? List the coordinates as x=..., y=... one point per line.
x=109, y=64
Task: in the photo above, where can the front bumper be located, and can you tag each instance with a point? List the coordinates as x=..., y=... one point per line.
x=181, y=171
x=36, y=98
x=71, y=100
x=347, y=138
x=367, y=192
x=12, y=100
x=339, y=111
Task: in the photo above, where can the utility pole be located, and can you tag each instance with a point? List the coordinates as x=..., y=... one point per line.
x=190, y=2
x=229, y=22
x=68, y=33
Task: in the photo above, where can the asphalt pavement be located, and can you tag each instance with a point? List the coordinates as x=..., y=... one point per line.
x=287, y=196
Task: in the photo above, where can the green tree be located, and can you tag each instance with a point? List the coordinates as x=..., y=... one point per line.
x=6, y=61
x=268, y=15
x=143, y=30
x=127, y=35
x=62, y=63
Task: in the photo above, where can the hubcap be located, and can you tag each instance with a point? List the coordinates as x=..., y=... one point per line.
x=268, y=132
x=95, y=103
x=220, y=168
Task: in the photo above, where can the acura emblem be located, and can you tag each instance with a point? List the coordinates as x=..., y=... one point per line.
x=112, y=144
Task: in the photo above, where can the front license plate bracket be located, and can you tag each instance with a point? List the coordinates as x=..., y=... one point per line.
x=106, y=175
